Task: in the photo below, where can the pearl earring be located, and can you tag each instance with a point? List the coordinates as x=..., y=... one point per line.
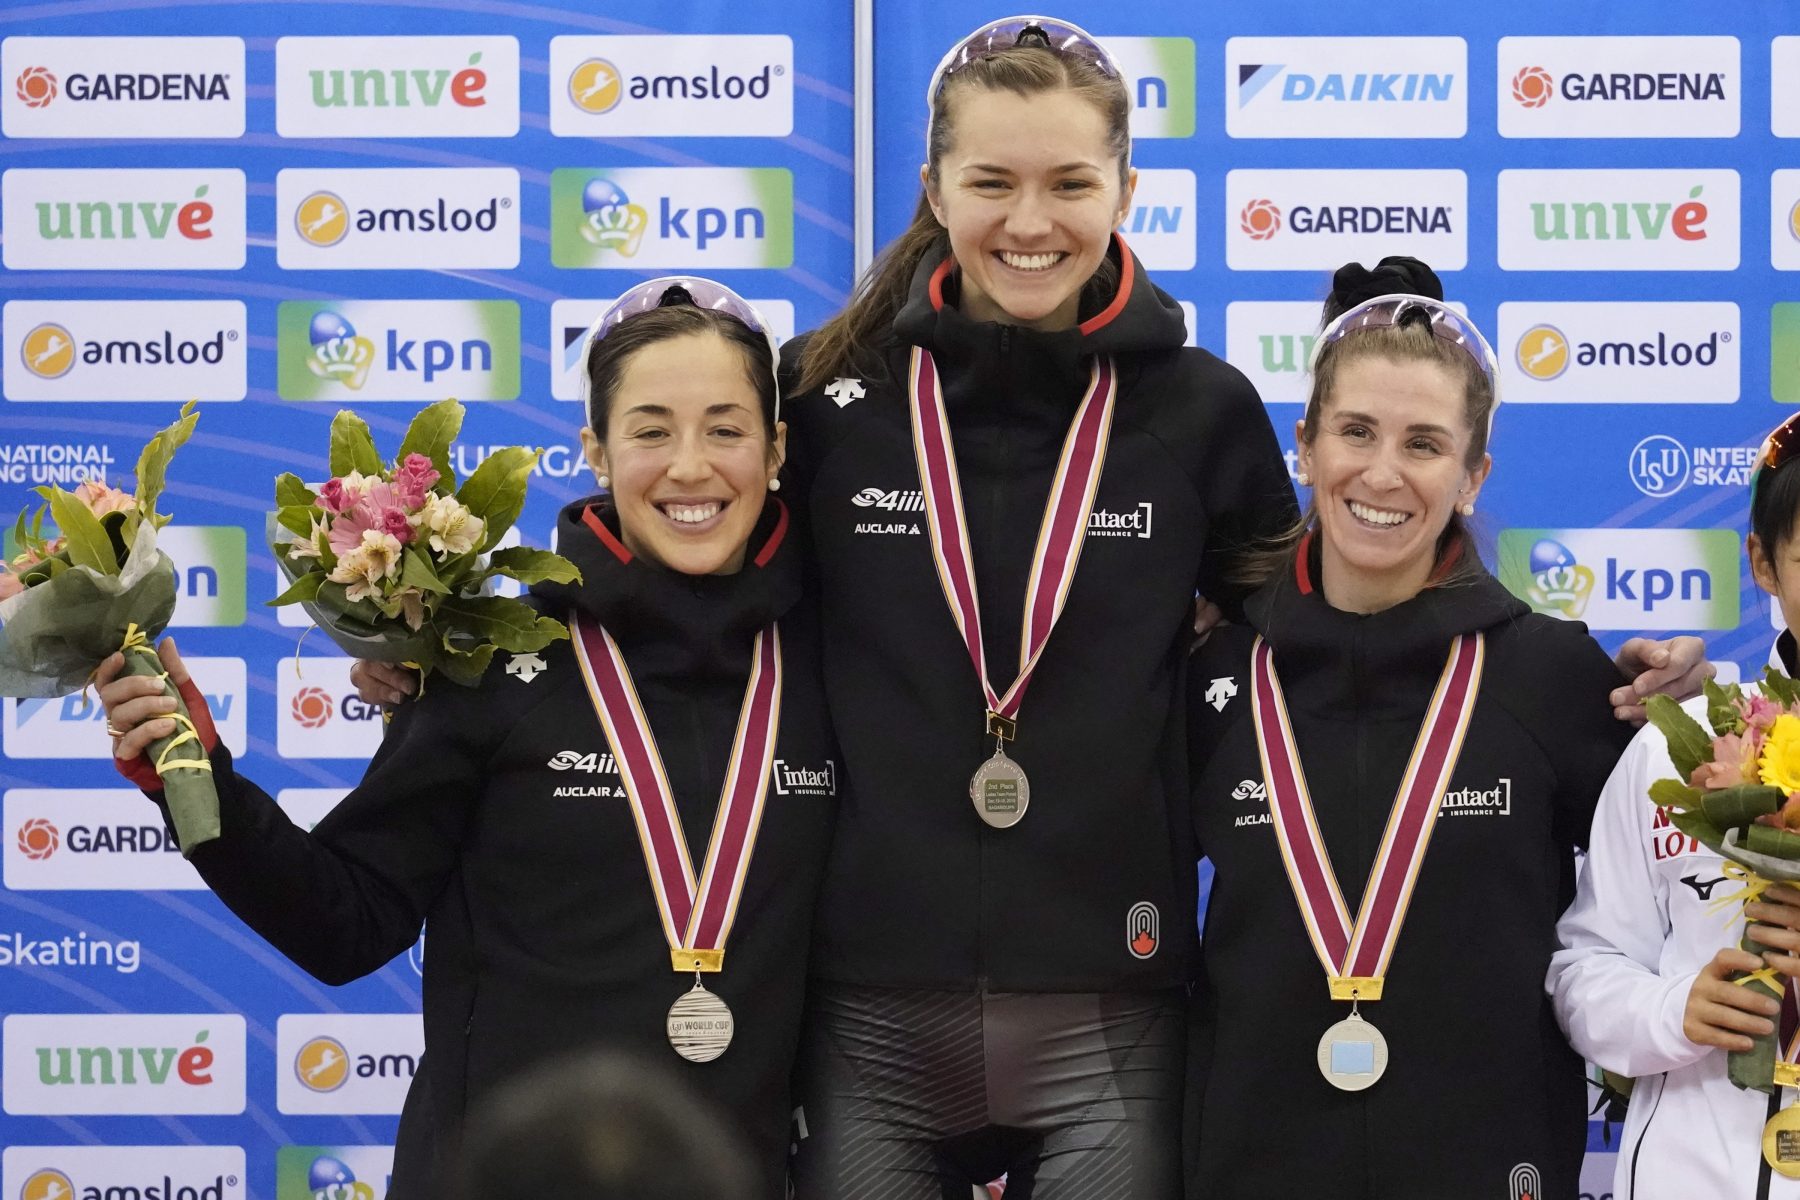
x=774, y=485
x=605, y=481
x=1304, y=479
x=1467, y=510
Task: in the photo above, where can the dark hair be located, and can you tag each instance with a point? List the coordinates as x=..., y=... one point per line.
x=608, y=357
x=843, y=342
x=1775, y=508
x=602, y=1126
x=1409, y=341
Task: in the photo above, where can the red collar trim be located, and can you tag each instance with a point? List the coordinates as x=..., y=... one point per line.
x=611, y=542
x=775, y=536
x=1104, y=317
x=1303, y=562
x=938, y=276
x=607, y=539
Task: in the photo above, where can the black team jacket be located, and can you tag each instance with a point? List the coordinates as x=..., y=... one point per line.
x=495, y=816
x=919, y=892
x=1479, y=1082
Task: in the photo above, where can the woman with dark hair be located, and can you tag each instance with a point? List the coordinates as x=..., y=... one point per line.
x=1388, y=697
x=634, y=817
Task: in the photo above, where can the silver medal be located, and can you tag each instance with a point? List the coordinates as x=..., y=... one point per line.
x=1000, y=791
x=1352, y=1054
x=700, y=1024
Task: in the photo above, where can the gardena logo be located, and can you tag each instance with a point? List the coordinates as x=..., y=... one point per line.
x=402, y=217
x=1626, y=87
x=35, y=87
x=672, y=86
x=123, y=1173
x=320, y=714
x=150, y=350
x=1660, y=466
x=89, y=87
x=398, y=350
x=1303, y=220
x=38, y=839
x=1260, y=220
x=312, y=707
x=1353, y=87
x=681, y=217
x=1625, y=578
x=123, y=1064
x=1623, y=352
x=1631, y=220
x=411, y=87
x=346, y=1063
x=1532, y=87
x=123, y=219
x=89, y=839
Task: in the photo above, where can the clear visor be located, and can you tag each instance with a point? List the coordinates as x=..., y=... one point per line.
x=1008, y=32
x=668, y=290
x=1447, y=325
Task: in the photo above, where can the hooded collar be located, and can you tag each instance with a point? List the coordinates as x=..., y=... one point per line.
x=1784, y=656
x=1370, y=664
x=668, y=623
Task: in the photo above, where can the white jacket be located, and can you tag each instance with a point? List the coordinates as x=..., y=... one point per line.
x=1640, y=929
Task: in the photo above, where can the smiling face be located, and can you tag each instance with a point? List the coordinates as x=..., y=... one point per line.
x=1388, y=470
x=686, y=450
x=1029, y=191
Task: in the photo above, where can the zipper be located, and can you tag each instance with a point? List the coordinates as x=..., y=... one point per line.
x=1662, y=1085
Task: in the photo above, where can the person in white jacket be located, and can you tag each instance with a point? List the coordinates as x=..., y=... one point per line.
x=1642, y=982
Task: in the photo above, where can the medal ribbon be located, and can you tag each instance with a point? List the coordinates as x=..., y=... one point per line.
x=696, y=915
x=1060, y=536
x=1356, y=956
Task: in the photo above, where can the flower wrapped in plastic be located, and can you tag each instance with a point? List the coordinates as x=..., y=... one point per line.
x=1739, y=795
x=98, y=587
x=394, y=561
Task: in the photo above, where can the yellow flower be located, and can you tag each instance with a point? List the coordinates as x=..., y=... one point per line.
x=1780, y=764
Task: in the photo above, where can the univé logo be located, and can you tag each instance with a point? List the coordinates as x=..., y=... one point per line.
x=159, y=1066
x=400, y=88
x=1260, y=220
x=35, y=86
x=312, y=707
x=126, y=221
x=1621, y=221
x=338, y=354
x=322, y=1065
x=610, y=220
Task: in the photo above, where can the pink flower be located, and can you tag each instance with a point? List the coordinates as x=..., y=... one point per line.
x=377, y=509
x=1759, y=712
x=414, y=478
x=331, y=496
x=394, y=521
x=10, y=584
x=102, y=499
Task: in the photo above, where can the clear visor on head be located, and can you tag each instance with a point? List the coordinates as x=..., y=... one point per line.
x=668, y=290
x=1008, y=32
x=1447, y=325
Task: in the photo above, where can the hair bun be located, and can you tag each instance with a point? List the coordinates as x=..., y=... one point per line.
x=1354, y=283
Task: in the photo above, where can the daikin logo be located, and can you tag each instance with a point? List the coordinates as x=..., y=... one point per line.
x=1160, y=226
x=122, y=87
x=672, y=86
x=397, y=86
x=1389, y=88
x=683, y=217
x=1346, y=87
x=75, y=726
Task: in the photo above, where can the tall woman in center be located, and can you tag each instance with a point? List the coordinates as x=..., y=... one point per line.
x=1018, y=479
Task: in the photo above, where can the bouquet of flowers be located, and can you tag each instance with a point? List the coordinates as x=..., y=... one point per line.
x=100, y=586
x=393, y=561
x=1739, y=794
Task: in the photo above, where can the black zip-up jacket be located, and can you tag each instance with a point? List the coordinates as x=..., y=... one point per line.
x=1479, y=1079
x=920, y=893
x=495, y=816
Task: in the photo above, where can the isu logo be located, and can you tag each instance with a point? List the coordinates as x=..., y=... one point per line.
x=35, y=86
x=1260, y=220
x=1143, y=929
x=48, y=1185
x=1543, y=352
x=38, y=839
x=1526, y=1183
x=596, y=86
x=1532, y=87
x=322, y=219
x=312, y=707
x=48, y=351
x=322, y=1065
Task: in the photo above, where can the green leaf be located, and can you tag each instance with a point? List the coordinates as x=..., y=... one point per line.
x=352, y=446
x=1780, y=843
x=1698, y=828
x=153, y=462
x=1688, y=744
x=432, y=433
x=290, y=492
x=416, y=571
x=298, y=519
x=495, y=491
x=1672, y=793
x=465, y=667
x=1728, y=808
x=88, y=543
x=1721, y=707
x=510, y=624
x=1780, y=686
x=530, y=565
x=334, y=598
x=305, y=588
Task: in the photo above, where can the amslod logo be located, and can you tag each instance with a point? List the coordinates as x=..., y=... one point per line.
x=109, y=350
x=683, y=217
x=112, y=219
x=89, y=840
x=712, y=85
x=1285, y=220
x=333, y=1172
x=122, y=1173
x=405, y=87
x=570, y=321
x=1618, y=87
x=1784, y=220
x=1349, y=87
x=1619, y=352
x=122, y=87
x=1160, y=226
x=1629, y=220
x=318, y=713
x=1159, y=75
x=108, y=1064
x=387, y=218
x=345, y=1062
x=75, y=726
x=1626, y=578
x=397, y=349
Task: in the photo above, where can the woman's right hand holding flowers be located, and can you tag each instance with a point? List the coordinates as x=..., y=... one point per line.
x=137, y=708
x=1719, y=1012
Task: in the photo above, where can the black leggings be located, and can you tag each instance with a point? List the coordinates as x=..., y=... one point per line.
x=915, y=1095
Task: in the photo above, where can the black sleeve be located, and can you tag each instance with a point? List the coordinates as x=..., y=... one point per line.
x=344, y=899
x=1243, y=482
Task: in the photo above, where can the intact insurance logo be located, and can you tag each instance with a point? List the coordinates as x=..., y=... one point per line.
x=318, y=714
x=1660, y=466
x=712, y=85
x=1626, y=578
x=1159, y=75
x=1619, y=352
x=333, y=1172
x=403, y=87
x=346, y=350
x=101, y=350
x=111, y=219
x=1619, y=87
x=1271, y=342
x=121, y=1064
x=75, y=726
x=1784, y=220
x=570, y=323
x=1354, y=87
x=122, y=87
x=100, y=840
x=346, y=1063
x=684, y=217
x=360, y=220
x=1631, y=220
x=1318, y=220
x=122, y=1173
x=1160, y=225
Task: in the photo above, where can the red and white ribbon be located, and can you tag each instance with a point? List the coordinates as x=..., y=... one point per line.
x=1060, y=536
x=697, y=914
x=1355, y=956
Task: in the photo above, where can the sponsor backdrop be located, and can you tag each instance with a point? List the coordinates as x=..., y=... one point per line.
x=435, y=202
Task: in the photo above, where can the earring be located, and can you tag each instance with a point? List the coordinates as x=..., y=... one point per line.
x=1304, y=479
x=1467, y=510
x=605, y=481
x=774, y=485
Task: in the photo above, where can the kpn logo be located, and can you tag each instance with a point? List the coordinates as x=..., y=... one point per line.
x=1623, y=352
x=1618, y=87
x=1629, y=220
x=713, y=85
x=333, y=1172
x=122, y=1173
x=100, y=350
x=397, y=349
x=693, y=218
x=1159, y=75
x=1626, y=578
x=409, y=87
x=346, y=1063
x=384, y=218
x=1351, y=87
x=107, y=220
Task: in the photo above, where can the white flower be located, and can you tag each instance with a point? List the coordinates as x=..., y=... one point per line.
x=365, y=566
x=454, y=529
x=308, y=546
